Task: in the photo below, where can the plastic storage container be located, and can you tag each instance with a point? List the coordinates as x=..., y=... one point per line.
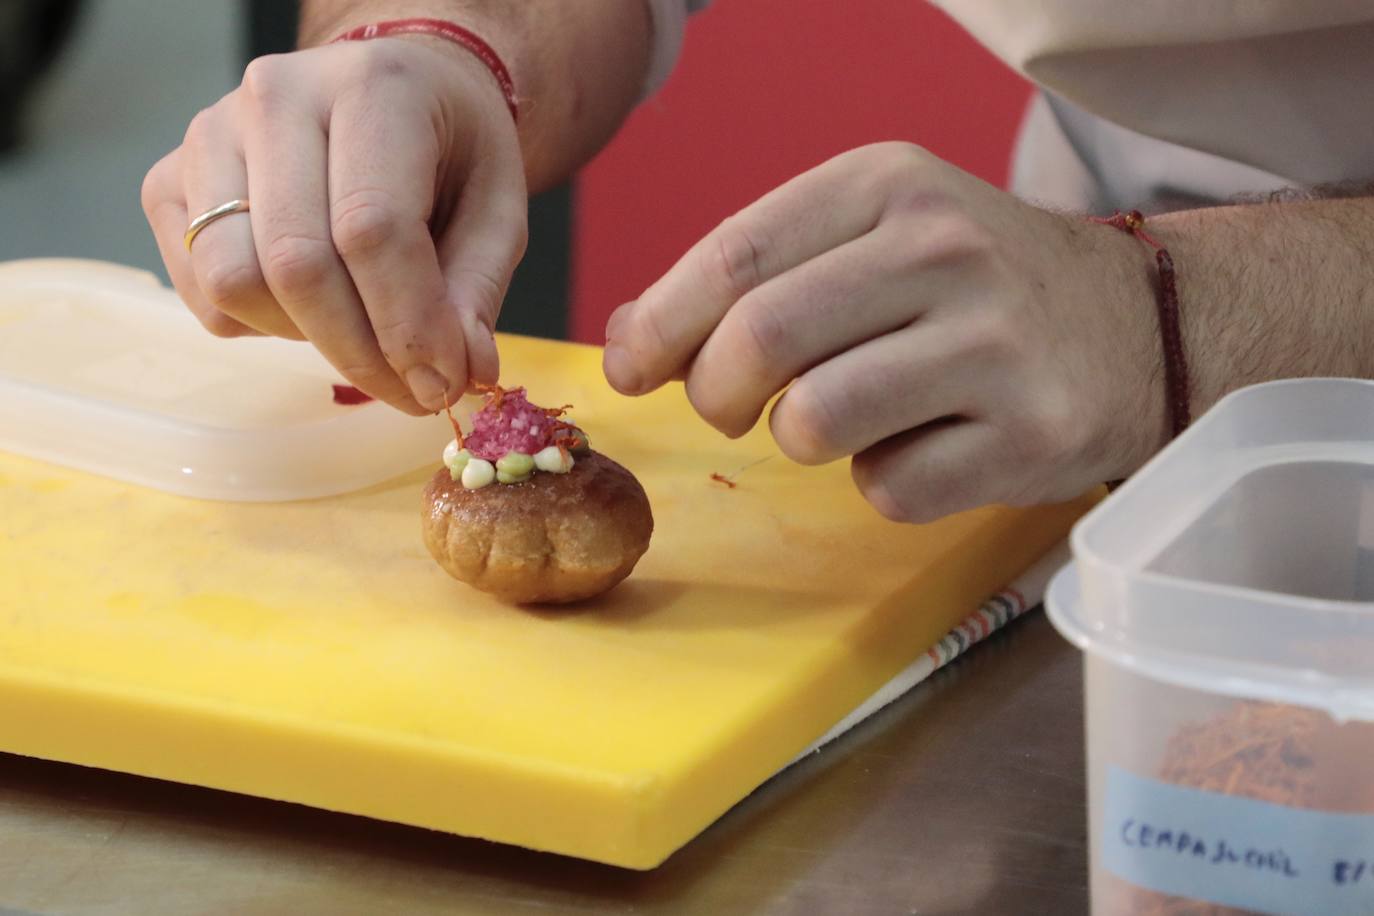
x=102, y=369
x=1225, y=601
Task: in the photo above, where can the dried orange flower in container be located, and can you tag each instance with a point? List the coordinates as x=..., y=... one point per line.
x=1285, y=755
x=1224, y=598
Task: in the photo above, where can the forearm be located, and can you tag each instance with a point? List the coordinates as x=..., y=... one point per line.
x=1274, y=290
x=578, y=67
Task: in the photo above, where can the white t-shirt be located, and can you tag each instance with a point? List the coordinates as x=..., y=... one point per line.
x=1167, y=103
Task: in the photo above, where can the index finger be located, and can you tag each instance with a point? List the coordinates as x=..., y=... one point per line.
x=287, y=151
x=383, y=165
x=651, y=340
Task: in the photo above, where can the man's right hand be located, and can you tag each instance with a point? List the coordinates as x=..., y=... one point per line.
x=388, y=210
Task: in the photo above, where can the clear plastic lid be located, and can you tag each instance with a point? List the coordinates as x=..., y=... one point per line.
x=1241, y=560
x=102, y=369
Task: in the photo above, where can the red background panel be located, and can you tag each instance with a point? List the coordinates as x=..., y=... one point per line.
x=767, y=89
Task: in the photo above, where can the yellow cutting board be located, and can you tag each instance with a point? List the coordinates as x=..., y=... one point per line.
x=314, y=652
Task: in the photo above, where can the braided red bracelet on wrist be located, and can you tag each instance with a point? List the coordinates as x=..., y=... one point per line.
x=449, y=31
x=1175, y=363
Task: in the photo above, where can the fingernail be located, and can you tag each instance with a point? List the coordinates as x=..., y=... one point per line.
x=483, y=360
x=428, y=386
x=620, y=370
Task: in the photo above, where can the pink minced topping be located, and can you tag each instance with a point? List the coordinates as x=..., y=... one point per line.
x=508, y=422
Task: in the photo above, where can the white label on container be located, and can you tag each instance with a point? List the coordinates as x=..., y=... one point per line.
x=1236, y=851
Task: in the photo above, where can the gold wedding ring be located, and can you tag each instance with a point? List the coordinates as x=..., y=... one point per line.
x=209, y=216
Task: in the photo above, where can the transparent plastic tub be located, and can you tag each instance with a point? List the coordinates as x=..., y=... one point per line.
x=1224, y=598
x=102, y=369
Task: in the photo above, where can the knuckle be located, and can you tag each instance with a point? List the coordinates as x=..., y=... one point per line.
x=1049, y=436
x=362, y=222
x=296, y=264
x=209, y=127
x=378, y=60
x=991, y=336
x=229, y=284
x=1012, y=480
x=265, y=77
x=807, y=428
x=150, y=193
x=924, y=231
x=765, y=335
x=199, y=130
x=486, y=288
x=375, y=377
x=218, y=323
x=735, y=258
x=898, y=161
x=955, y=238
x=521, y=237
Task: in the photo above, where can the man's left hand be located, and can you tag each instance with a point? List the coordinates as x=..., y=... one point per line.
x=964, y=347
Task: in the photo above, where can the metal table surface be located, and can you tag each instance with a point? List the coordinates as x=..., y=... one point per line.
x=965, y=796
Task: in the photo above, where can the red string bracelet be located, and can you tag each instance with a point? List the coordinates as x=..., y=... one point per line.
x=1175, y=364
x=449, y=31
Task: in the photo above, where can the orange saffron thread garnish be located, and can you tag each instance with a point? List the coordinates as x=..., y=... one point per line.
x=495, y=394
x=457, y=430
x=729, y=479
